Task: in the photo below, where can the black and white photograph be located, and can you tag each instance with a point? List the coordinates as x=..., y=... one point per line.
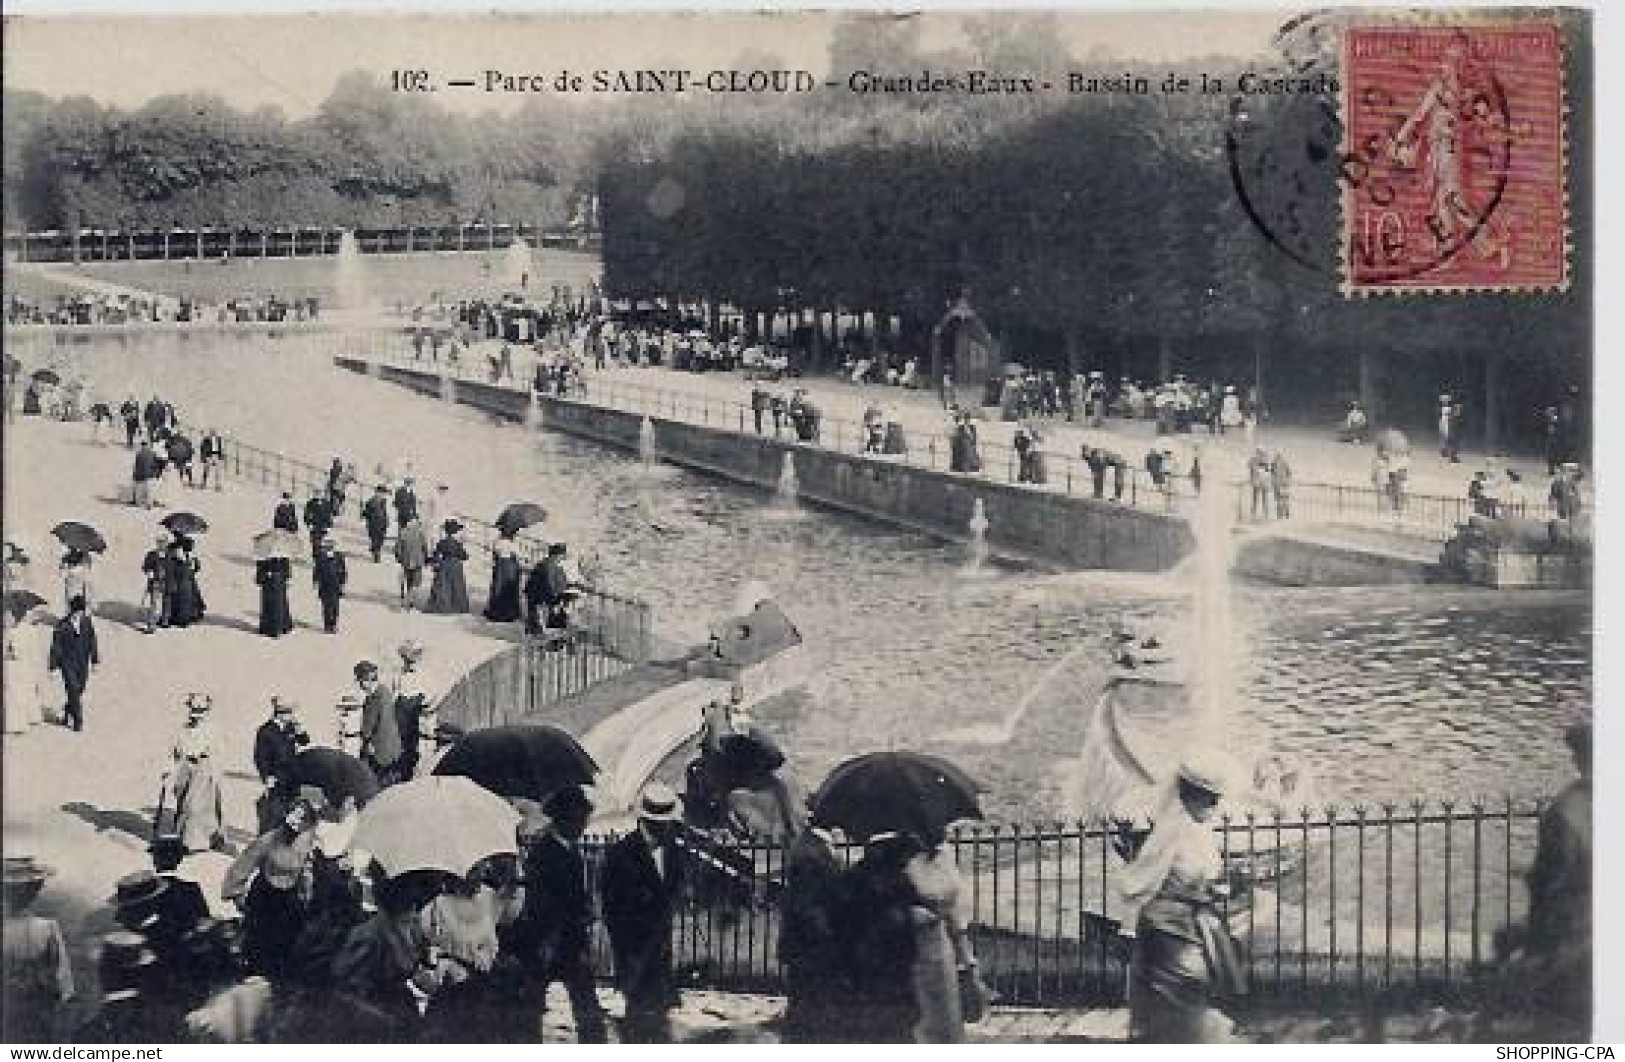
x=801, y=527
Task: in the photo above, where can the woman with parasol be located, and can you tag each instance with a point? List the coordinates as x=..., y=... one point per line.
x=191, y=805
x=186, y=605
x=503, y=604
x=1185, y=962
x=448, y=593
x=914, y=974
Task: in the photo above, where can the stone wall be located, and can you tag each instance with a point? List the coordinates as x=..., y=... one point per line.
x=1049, y=529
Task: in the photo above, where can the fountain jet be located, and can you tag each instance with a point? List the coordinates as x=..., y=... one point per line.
x=350, y=285
x=976, y=548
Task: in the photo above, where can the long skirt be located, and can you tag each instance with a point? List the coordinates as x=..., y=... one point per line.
x=449, y=592
x=276, y=618
x=186, y=604
x=1175, y=982
x=194, y=808
x=504, y=605
x=272, y=921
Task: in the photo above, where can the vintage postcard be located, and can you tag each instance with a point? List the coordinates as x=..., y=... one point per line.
x=802, y=527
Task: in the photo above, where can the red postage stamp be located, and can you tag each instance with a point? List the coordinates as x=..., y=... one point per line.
x=1454, y=161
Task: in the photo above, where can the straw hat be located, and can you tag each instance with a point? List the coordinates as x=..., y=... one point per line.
x=1206, y=770
x=137, y=890
x=659, y=803
x=411, y=650
x=23, y=880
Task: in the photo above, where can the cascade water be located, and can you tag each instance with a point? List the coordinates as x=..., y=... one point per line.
x=1213, y=666
x=648, y=453
x=976, y=548
x=350, y=284
x=785, y=500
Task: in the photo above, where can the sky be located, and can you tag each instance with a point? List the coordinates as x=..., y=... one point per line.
x=291, y=61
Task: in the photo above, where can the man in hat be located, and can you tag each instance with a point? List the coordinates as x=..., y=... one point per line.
x=329, y=573
x=553, y=932
x=155, y=597
x=212, y=449
x=375, y=514
x=412, y=554
x=144, y=474
x=130, y=412
x=286, y=517
x=547, y=592
x=1564, y=494
x=1281, y=485
x=38, y=972
x=1450, y=414
x=318, y=519
x=74, y=656
x=638, y=886
x=406, y=503
x=381, y=747
x=276, y=744
x=1259, y=478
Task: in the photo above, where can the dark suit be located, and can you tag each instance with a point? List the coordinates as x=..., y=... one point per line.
x=330, y=574
x=318, y=519
x=287, y=517
x=552, y=933
x=376, y=514
x=639, y=904
x=406, y=506
x=73, y=653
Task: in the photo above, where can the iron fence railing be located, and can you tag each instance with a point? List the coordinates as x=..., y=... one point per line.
x=1063, y=472
x=1428, y=516
x=1334, y=906
x=517, y=685
x=300, y=241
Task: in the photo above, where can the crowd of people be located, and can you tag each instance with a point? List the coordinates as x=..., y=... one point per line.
x=124, y=308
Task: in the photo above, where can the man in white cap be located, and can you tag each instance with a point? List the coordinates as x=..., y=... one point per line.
x=1450, y=413
x=638, y=886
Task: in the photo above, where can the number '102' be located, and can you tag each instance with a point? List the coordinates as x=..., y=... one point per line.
x=409, y=81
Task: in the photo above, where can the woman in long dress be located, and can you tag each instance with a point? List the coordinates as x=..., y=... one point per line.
x=272, y=575
x=271, y=882
x=448, y=594
x=193, y=808
x=24, y=701
x=1185, y=962
x=186, y=605
x=503, y=605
